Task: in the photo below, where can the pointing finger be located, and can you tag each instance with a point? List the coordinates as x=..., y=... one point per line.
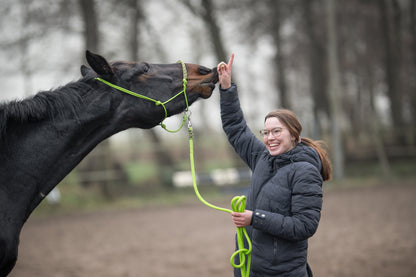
x=230, y=61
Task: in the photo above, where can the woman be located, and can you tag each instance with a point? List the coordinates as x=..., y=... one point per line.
x=285, y=196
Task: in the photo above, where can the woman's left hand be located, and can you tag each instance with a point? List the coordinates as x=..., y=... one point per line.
x=242, y=219
x=224, y=72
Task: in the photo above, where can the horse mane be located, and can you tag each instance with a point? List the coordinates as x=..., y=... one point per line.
x=43, y=105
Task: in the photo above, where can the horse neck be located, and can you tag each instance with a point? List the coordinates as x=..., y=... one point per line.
x=40, y=154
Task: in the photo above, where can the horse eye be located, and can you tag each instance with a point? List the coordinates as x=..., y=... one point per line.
x=204, y=71
x=146, y=68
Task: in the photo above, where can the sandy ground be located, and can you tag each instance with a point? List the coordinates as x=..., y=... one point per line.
x=363, y=232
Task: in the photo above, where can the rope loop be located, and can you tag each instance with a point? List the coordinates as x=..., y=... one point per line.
x=238, y=203
x=242, y=255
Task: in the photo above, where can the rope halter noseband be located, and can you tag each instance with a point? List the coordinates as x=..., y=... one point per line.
x=157, y=102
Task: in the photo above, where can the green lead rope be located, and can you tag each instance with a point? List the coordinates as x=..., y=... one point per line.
x=238, y=204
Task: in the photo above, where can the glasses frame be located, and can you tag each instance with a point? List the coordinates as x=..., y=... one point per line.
x=276, y=132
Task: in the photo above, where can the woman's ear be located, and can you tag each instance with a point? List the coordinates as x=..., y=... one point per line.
x=293, y=139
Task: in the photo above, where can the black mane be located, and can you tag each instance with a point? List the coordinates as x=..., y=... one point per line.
x=44, y=105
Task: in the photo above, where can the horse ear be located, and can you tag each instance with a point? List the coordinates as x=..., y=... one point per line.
x=85, y=70
x=100, y=65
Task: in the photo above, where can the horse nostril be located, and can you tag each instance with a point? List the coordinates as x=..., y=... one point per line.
x=204, y=71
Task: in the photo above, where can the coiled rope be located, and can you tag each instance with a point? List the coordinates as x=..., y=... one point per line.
x=238, y=204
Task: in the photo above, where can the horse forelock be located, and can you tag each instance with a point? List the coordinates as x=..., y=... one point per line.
x=44, y=105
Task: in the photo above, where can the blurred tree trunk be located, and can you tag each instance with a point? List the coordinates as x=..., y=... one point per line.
x=209, y=18
x=401, y=86
x=279, y=60
x=89, y=18
x=334, y=91
x=375, y=131
x=391, y=61
x=164, y=158
x=103, y=160
x=207, y=13
x=136, y=18
x=412, y=29
x=23, y=48
x=317, y=74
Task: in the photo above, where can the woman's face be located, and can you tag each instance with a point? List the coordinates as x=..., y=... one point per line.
x=277, y=137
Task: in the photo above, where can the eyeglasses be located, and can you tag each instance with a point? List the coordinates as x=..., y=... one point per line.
x=275, y=132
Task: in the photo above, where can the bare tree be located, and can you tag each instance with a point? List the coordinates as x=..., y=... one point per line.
x=334, y=91
x=164, y=158
x=279, y=59
x=102, y=159
x=207, y=12
x=89, y=18
x=376, y=134
x=317, y=65
x=391, y=62
x=412, y=29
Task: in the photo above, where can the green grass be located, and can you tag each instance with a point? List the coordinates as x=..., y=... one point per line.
x=146, y=191
x=76, y=202
x=140, y=171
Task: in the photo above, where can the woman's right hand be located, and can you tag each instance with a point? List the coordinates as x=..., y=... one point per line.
x=242, y=219
x=224, y=73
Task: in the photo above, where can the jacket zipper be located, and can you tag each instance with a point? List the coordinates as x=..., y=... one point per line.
x=275, y=250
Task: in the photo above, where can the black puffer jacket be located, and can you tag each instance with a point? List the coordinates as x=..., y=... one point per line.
x=285, y=195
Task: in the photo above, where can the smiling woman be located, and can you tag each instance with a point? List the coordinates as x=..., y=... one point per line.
x=284, y=200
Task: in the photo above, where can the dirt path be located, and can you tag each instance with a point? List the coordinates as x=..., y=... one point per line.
x=363, y=232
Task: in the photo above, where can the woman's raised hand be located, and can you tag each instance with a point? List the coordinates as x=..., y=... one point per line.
x=224, y=72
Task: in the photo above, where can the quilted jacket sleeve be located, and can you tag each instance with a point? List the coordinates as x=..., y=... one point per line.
x=245, y=143
x=306, y=204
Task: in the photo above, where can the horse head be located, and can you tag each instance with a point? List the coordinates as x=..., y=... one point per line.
x=160, y=82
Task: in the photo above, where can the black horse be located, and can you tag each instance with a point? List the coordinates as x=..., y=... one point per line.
x=44, y=137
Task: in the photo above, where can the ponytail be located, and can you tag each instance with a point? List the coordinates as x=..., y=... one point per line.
x=320, y=147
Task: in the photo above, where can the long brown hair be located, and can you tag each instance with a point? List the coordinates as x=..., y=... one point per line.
x=289, y=119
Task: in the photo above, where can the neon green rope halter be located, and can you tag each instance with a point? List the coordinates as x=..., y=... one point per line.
x=157, y=102
x=238, y=203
